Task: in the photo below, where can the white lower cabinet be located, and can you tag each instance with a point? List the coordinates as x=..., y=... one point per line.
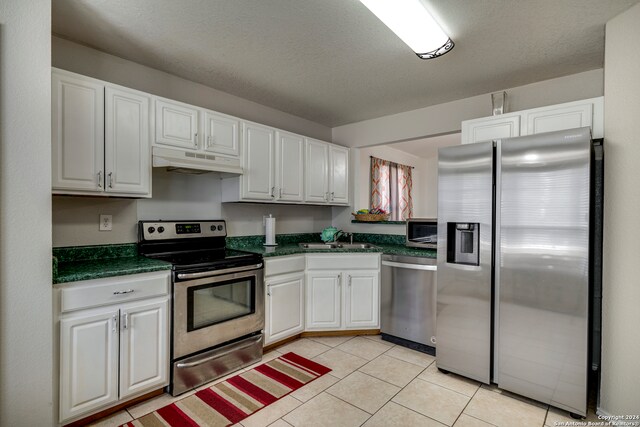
x=284, y=309
x=343, y=291
x=284, y=302
x=113, y=345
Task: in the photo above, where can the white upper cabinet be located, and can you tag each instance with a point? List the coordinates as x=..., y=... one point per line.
x=289, y=180
x=77, y=133
x=316, y=176
x=570, y=115
x=258, y=162
x=490, y=128
x=100, y=138
x=338, y=175
x=560, y=117
x=221, y=134
x=127, y=160
x=176, y=124
x=326, y=173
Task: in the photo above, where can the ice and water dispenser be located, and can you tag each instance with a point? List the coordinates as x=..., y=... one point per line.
x=463, y=243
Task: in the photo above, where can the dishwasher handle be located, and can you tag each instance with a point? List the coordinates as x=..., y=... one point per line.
x=410, y=266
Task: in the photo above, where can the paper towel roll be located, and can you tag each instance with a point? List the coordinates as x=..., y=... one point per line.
x=270, y=231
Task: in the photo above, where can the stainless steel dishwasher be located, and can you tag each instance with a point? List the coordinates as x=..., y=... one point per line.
x=408, y=301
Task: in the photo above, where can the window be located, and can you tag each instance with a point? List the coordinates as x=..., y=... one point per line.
x=391, y=188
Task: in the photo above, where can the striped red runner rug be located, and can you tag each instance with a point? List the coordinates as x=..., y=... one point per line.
x=234, y=399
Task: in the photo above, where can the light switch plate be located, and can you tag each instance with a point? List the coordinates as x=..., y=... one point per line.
x=106, y=222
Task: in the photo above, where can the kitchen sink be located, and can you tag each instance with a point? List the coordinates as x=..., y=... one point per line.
x=356, y=246
x=318, y=245
x=337, y=245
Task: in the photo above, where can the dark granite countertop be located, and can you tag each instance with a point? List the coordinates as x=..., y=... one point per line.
x=288, y=245
x=71, y=264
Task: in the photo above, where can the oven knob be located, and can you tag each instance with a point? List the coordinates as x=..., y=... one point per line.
x=220, y=228
x=213, y=228
x=160, y=229
x=151, y=229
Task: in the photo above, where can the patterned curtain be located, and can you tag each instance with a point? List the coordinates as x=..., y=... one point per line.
x=391, y=188
x=380, y=184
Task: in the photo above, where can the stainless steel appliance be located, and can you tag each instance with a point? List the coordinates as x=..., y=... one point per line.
x=408, y=301
x=422, y=233
x=218, y=300
x=514, y=257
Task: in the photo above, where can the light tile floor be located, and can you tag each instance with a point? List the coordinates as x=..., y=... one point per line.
x=375, y=383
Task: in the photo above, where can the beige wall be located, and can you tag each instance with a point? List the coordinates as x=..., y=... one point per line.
x=446, y=118
x=175, y=196
x=26, y=367
x=620, y=392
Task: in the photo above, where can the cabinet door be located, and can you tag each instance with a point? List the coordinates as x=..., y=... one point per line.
x=284, y=307
x=258, y=143
x=487, y=129
x=127, y=153
x=289, y=167
x=316, y=173
x=552, y=119
x=77, y=133
x=323, y=300
x=144, y=342
x=88, y=362
x=338, y=175
x=176, y=124
x=362, y=306
x=221, y=134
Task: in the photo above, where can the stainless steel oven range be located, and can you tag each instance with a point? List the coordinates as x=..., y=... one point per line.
x=218, y=299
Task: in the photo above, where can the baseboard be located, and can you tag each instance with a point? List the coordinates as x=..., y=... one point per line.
x=106, y=412
x=350, y=332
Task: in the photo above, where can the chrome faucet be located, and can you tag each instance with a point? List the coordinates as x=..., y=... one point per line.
x=341, y=233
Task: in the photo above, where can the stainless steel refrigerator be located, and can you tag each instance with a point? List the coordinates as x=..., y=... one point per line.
x=513, y=302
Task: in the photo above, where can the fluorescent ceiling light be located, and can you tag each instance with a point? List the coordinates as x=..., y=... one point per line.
x=413, y=24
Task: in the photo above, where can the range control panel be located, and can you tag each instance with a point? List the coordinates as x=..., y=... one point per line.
x=163, y=230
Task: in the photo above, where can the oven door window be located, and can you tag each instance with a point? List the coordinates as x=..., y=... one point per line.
x=218, y=302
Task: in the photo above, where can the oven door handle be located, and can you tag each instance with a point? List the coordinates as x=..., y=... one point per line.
x=218, y=272
x=217, y=355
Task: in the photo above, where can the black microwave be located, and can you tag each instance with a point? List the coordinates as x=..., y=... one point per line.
x=422, y=233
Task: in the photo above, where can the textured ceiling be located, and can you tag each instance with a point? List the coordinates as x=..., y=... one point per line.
x=333, y=61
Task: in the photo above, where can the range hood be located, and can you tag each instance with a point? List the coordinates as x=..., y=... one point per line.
x=183, y=161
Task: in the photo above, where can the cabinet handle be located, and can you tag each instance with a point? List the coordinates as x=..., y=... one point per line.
x=128, y=291
x=110, y=179
x=125, y=321
x=349, y=280
x=340, y=279
x=269, y=291
x=114, y=322
x=209, y=141
x=332, y=195
x=100, y=179
x=273, y=192
x=280, y=193
x=195, y=140
x=326, y=196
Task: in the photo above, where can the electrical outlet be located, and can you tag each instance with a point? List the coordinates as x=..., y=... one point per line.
x=106, y=222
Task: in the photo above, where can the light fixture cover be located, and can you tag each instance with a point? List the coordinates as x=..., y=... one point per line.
x=413, y=24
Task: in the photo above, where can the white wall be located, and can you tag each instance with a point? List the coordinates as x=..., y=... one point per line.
x=26, y=375
x=620, y=392
x=446, y=118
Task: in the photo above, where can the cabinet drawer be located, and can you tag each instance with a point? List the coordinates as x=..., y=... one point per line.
x=343, y=261
x=282, y=265
x=113, y=290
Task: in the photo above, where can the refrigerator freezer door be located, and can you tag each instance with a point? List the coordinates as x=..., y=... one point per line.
x=543, y=264
x=463, y=325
